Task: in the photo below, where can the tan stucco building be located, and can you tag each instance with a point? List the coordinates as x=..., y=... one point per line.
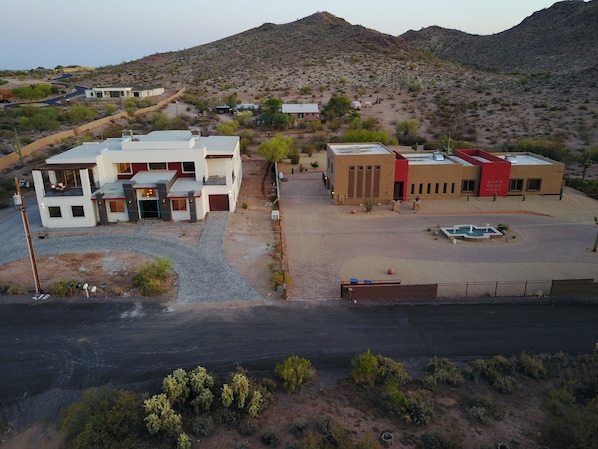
x=370, y=171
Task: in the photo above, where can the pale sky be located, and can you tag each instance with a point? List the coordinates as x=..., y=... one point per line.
x=95, y=33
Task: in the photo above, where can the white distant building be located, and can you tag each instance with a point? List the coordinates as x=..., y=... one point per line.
x=125, y=91
x=164, y=175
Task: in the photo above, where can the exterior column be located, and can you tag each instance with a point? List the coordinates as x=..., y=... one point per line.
x=131, y=203
x=102, y=210
x=192, y=206
x=165, y=209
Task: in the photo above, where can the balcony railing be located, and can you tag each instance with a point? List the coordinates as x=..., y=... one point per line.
x=63, y=190
x=215, y=181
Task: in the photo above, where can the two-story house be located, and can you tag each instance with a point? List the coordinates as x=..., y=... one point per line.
x=166, y=175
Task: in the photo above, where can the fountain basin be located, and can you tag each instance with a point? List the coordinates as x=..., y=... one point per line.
x=472, y=232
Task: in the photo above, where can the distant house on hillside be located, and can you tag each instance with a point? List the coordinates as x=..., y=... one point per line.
x=302, y=111
x=122, y=91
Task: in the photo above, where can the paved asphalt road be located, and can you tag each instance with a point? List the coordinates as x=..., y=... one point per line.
x=56, y=346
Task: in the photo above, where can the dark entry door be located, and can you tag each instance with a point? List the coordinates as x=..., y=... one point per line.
x=218, y=202
x=149, y=209
x=398, y=193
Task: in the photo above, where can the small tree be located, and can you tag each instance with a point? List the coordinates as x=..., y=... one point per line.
x=276, y=149
x=366, y=369
x=295, y=372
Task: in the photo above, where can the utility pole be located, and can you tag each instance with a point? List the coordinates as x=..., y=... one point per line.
x=596, y=242
x=19, y=202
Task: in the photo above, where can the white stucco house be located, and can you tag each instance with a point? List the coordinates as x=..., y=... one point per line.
x=124, y=91
x=164, y=175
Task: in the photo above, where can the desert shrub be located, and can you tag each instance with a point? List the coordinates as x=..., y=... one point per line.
x=531, y=366
x=418, y=409
x=298, y=426
x=482, y=410
x=242, y=445
x=60, y=289
x=248, y=426
x=17, y=290
x=366, y=369
x=392, y=371
x=443, y=371
x=315, y=164
x=152, y=277
x=577, y=428
x=505, y=384
x=437, y=440
x=496, y=372
x=295, y=372
x=281, y=278
x=270, y=438
x=294, y=157
x=202, y=426
x=412, y=406
x=103, y=418
x=244, y=205
x=269, y=384
x=326, y=424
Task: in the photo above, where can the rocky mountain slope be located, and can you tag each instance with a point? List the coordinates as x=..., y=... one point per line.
x=559, y=39
x=311, y=59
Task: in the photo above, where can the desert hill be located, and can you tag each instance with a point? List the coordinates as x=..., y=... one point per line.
x=559, y=39
x=311, y=59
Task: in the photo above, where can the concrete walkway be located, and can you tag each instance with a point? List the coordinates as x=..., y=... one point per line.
x=204, y=275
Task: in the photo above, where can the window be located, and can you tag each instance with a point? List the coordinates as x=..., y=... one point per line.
x=124, y=168
x=156, y=165
x=444, y=188
x=412, y=189
x=515, y=185
x=468, y=185
x=429, y=189
x=78, y=211
x=534, y=184
x=452, y=187
x=188, y=167
x=148, y=193
x=437, y=189
x=55, y=211
x=116, y=206
x=179, y=204
x=421, y=189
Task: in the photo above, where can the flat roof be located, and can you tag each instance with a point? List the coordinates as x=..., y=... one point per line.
x=298, y=108
x=149, y=179
x=348, y=149
x=524, y=159
x=428, y=159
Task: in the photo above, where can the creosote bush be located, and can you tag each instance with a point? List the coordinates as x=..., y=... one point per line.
x=442, y=371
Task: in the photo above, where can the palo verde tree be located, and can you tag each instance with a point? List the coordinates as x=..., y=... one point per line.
x=276, y=149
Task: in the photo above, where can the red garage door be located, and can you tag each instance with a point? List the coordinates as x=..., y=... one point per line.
x=218, y=202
